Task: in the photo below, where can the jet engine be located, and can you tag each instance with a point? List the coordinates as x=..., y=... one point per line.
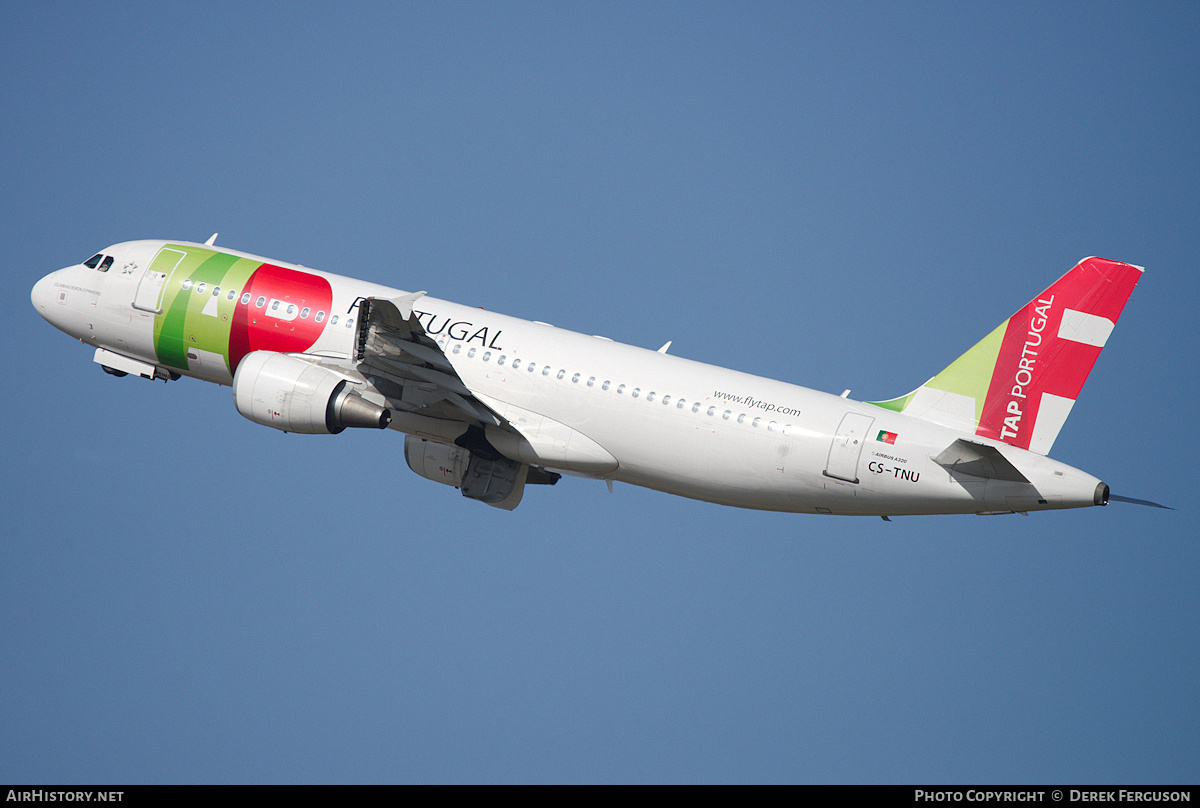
x=496, y=480
x=437, y=461
x=287, y=393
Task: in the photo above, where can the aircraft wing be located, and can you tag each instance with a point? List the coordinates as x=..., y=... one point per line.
x=392, y=344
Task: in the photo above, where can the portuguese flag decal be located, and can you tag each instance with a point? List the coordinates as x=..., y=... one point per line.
x=886, y=437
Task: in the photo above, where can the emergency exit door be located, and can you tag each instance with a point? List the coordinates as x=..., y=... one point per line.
x=149, y=291
x=847, y=446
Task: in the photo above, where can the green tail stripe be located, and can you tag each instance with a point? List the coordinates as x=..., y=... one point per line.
x=968, y=376
x=971, y=373
x=895, y=404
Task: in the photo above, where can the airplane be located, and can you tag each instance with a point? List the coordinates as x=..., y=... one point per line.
x=490, y=404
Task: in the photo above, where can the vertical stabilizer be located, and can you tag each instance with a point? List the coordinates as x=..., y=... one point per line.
x=1018, y=383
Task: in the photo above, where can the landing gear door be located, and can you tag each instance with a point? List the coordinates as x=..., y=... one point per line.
x=149, y=290
x=847, y=446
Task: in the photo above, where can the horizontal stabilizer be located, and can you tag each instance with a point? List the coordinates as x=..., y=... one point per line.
x=979, y=460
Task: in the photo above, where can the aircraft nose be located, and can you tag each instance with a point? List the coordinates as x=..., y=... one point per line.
x=41, y=294
x=46, y=299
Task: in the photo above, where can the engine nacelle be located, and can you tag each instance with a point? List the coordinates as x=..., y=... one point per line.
x=437, y=461
x=287, y=393
x=499, y=482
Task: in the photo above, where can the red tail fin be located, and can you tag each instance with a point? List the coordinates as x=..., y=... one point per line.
x=1019, y=383
x=1048, y=350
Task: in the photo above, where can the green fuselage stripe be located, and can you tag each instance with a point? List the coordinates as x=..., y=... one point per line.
x=184, y=323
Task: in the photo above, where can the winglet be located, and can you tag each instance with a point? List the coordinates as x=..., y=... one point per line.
x=1018, y=384
x=404, y=303
x=397, y=311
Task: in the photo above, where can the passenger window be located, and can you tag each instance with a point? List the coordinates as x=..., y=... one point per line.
x=246, y=299
x=591, y=381
x=546, y=370
x=106, y=263
x=575, y=378
x=620, y=389
x=232, y=294
x=320, y=316
x=606, y=384
x=216, y=291
x=712, y=411
x=757, y=421
x=471, y=353
x=200, y=289
x=187, y=284
x=726, y=414
x=457, y=348
x=262, y=301
x=742, y=418
x=771, y=427
x=696, y=407
x=501, y=361
x=274, y=304
x=636, y=392
x=350, y=323
x=487, y=355
x=681, y=404
x=561, y=373
x=516, y=365
x=650, y=396
x=666, y=401
x=291, y=309
x=531, y=367
x=304, y=313
x=94, y=261
x=333, y=320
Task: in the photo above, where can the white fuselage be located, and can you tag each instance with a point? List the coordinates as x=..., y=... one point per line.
x=666, y=423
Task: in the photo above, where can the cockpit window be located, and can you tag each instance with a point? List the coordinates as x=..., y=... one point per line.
x=106, y=263
x=94, y=261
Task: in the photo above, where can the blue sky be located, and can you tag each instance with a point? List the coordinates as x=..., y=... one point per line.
x=837, y=195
